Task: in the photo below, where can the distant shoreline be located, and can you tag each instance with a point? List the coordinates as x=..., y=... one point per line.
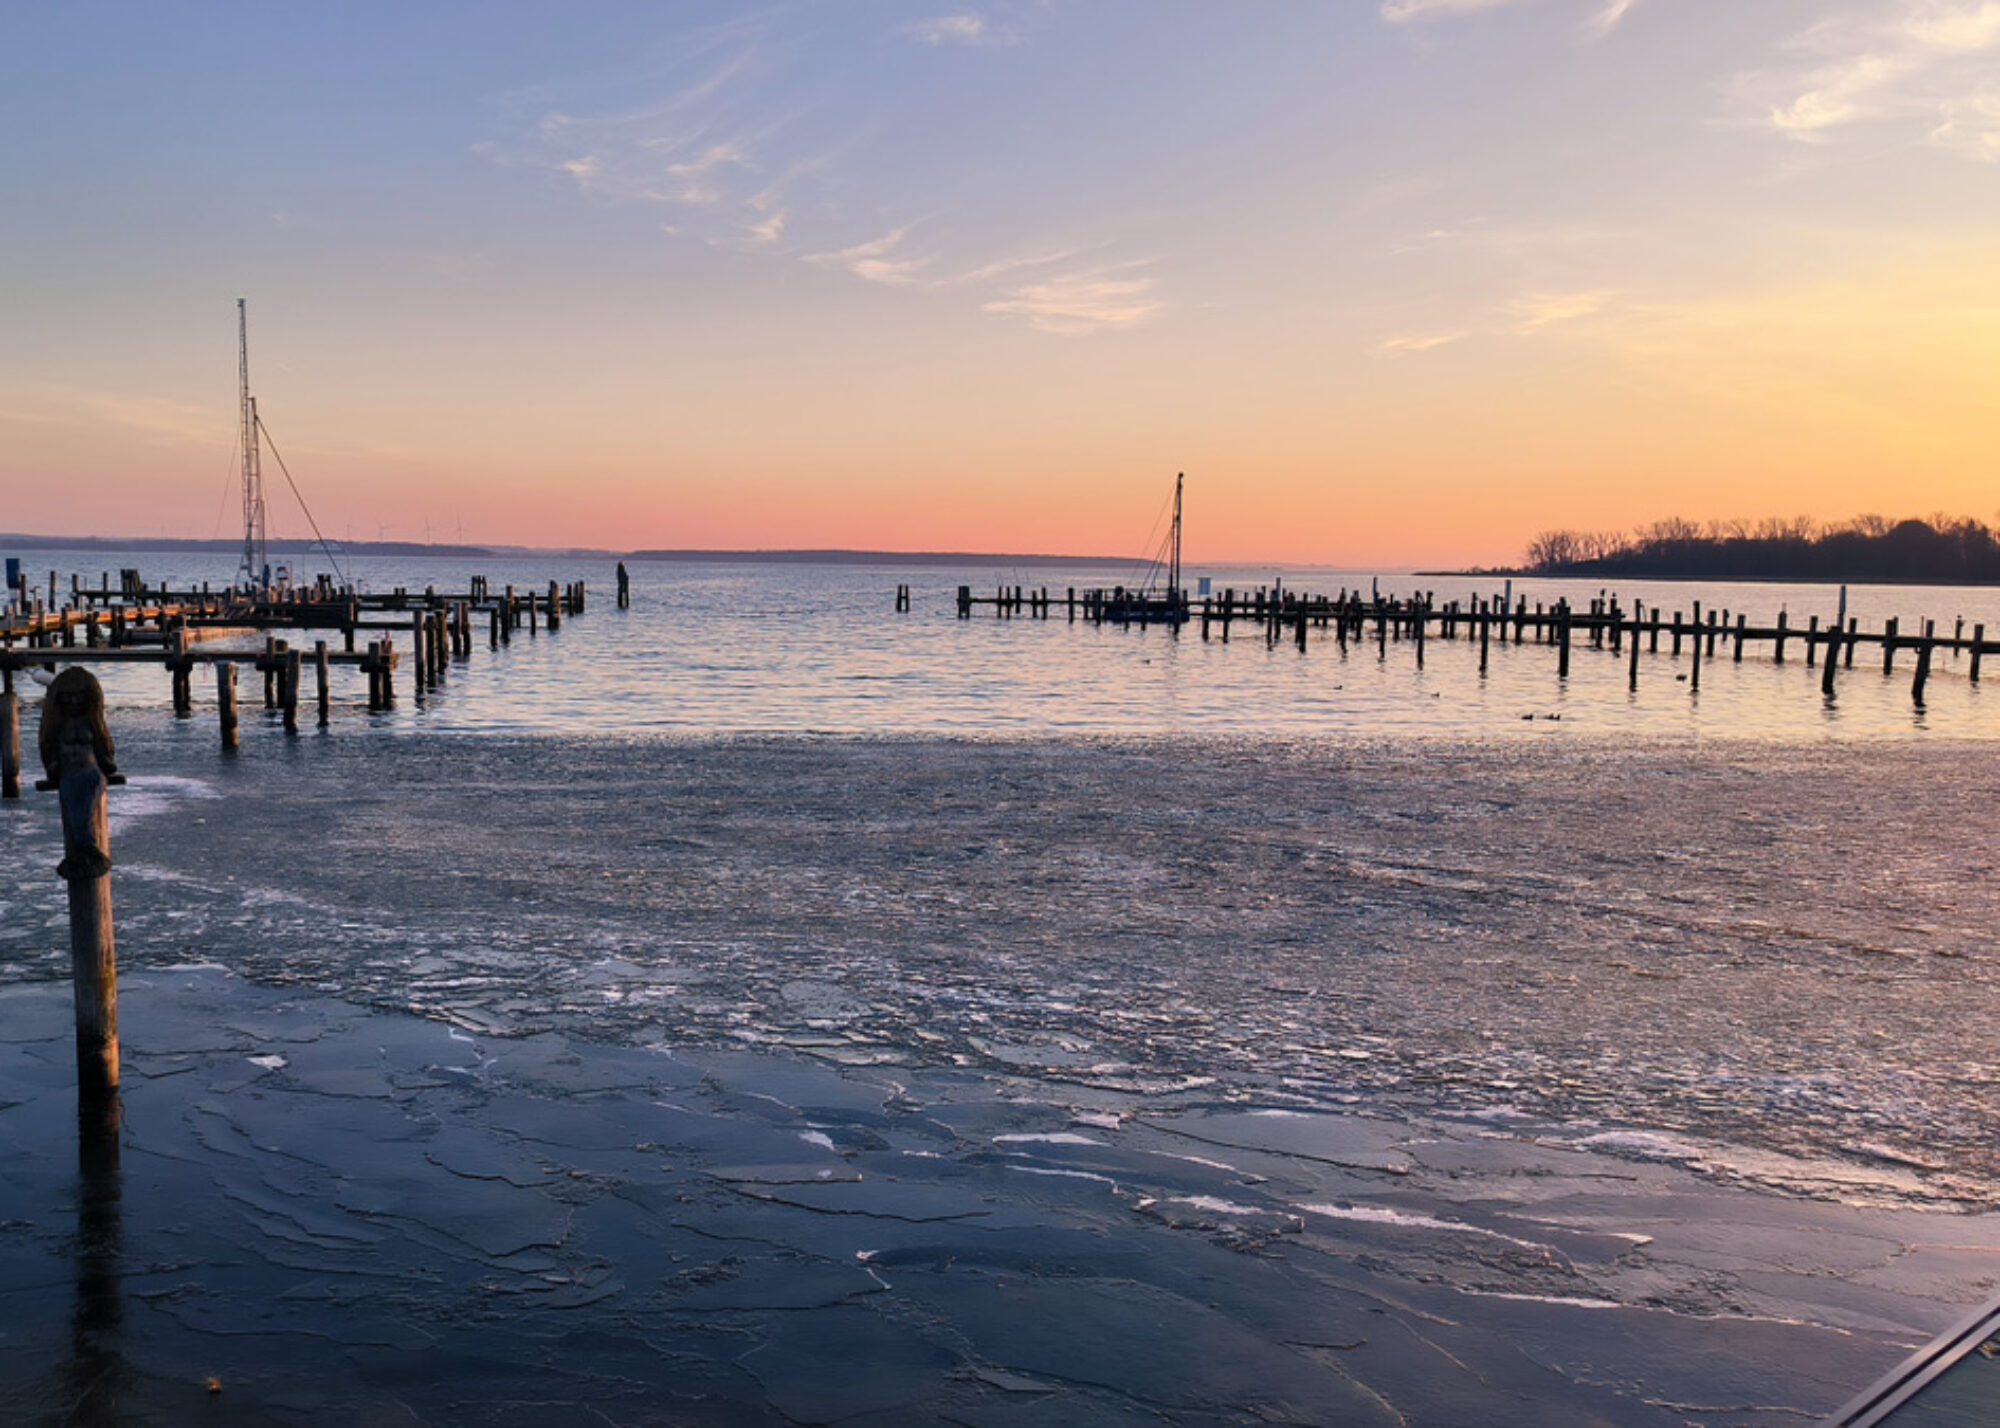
x=14, y=542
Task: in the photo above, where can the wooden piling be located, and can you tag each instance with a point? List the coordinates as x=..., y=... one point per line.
x=10, y=739
x=1832, y=661
x=1632, y=670
x=1562, y=639
x=1889, y=647
x=1778, y=651
x=1978, y=647
x=1812, y=634
x=1694, y=665
x=319, y=673
x=1485, y=636
x=225, y=703
x=1923, y=673
x=86, y=867
x=289, y=684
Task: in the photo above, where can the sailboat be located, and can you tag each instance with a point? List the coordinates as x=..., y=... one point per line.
x=1148, y=604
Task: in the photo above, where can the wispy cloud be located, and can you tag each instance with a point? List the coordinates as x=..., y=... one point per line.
x=1416, y=346
x=1399, y=12
x=1924, y=64
x=877, y=260
x=962, y=29
x=157, y=418
x=1079, y=304
x=1538, y=312
x=739, y=139
x=1606, y=19
x=1972, y=127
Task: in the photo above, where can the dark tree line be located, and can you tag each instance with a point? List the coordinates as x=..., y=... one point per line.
x=1943, y=549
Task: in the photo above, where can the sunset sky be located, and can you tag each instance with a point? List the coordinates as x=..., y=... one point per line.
x=1392, y=281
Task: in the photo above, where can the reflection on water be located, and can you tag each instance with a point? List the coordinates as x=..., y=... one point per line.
x=719, y=648
x=94, y=1375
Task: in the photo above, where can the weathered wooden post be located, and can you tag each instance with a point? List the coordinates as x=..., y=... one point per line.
x=1923, y=664
x=1486, y=635
x=1812, y=634
x=1632, y=670
x=225, y=702
x=419, y=628
x=76, y=752
x=1978, y=647
x=319, y=672
x=1889, y=646
x=555, y=607
x=1741, y=621
x=289, y=683
x=10, y=735
x=1694, y=666
x=1562, y=639
x=1853, y=629
x=1779, y=653
x=1832, y=661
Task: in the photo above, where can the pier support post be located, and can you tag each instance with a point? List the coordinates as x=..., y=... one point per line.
x=1486, y=635
x=1978, y=644
x=1832, y=661
x=1779, y=654
x=1632, y=670
x=1694, y=666
x=1562, y=640
x=1812, y=634
x=225, y=703
x=289, y=678
x=1923, y=673
x=319, y=673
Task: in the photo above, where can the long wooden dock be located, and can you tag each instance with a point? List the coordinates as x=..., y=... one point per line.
x=1349, y=618
x=178, y=630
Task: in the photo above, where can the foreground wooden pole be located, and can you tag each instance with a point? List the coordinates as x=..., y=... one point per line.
x=77, y=755
x=10, y=740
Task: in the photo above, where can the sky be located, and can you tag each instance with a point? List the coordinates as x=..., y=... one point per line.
x=1394, y=282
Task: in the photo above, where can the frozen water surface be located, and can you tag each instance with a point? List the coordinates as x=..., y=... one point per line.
x=511, y=1054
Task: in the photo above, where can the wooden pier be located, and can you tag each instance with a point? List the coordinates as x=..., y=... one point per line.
x=179, y=630
x=1349, y=618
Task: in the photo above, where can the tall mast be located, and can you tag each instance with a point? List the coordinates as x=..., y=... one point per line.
x=254, y=551
x=1174, y=570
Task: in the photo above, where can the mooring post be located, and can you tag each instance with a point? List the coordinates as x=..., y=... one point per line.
x=1832, y=661
x=291, y=681
x=269, y=665
x=225, y=702
x=1422, y=606
x=1486, y=635
x=1853, y=629
x=319, y=672
x=555, y=607
x=76, y=752
x=1889, y=646
x=1923, y=663
x=1694, y=666
x=1562, y=639
x=1741, y=621
x=10, y=735
x=1632, y=670
x=1812, y=634
x=1978, y=648
x=1779, y=657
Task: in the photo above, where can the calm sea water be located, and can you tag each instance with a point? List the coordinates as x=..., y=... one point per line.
x=746, y=648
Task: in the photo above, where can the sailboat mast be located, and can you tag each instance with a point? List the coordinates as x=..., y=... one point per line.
x=255, y=556
x=1174, y=569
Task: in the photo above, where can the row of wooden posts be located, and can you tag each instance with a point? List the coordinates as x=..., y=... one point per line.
x=1604, y=623
x=136, y=624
